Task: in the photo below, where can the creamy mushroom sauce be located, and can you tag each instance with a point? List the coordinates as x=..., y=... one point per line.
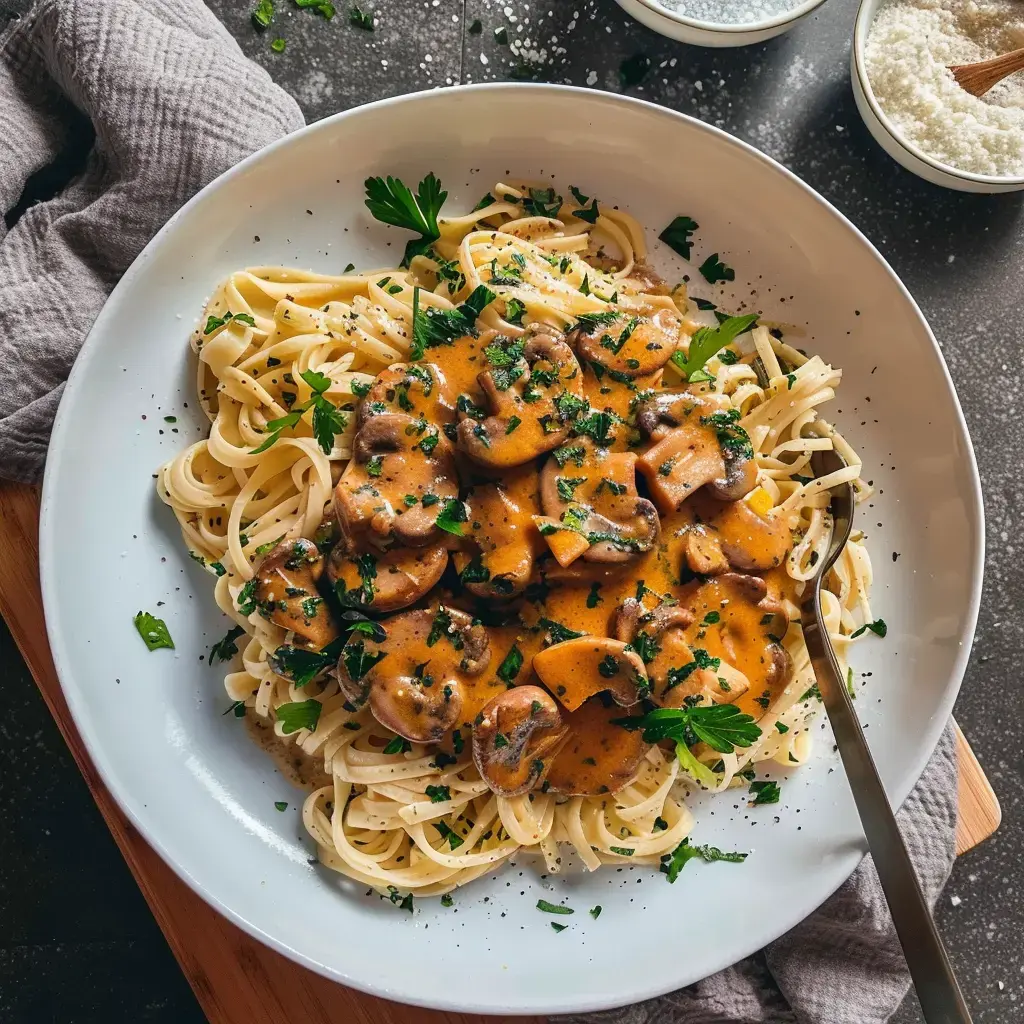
x=475, y=522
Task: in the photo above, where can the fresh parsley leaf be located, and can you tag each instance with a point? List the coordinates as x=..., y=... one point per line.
x=765, y=792
x=391, y=201
x=302, y=666
x=262, y=15
x=514, y=312
x=678, y=236
x=297, y=715
x=433, y=327
x=357, y=661
x=153, y=631
x=595, y=912
x=398, y=745
x=558, y=632
x=439, y=794
x=453, y=515
x=226, y=648
x=723, y=727
x=554, y=908
x=278, y=45
x=542, y=202
x=714, y=270
x=556, y=927
x=706, y=341
x=447, y=833
x=328, y=422
x=360, y=19
x=674, y=862
x=510, y=664
x=878, y=627
x=589, y=215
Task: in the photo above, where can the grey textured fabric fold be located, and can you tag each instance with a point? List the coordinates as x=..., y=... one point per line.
x=172, y=103
x=843, y=964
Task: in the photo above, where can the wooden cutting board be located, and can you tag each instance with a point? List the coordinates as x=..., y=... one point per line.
x=236, y=979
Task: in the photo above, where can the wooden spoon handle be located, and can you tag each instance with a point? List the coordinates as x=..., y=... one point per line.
x=978, y=78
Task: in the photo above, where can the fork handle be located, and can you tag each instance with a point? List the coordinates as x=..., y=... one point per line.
x=941, y=1000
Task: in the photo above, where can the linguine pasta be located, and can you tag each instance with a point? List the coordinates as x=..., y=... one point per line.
x=396, y=815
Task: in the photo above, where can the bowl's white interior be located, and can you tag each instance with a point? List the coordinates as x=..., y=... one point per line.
x=797, y=11
x=204, y=795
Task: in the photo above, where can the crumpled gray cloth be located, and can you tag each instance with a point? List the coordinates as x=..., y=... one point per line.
x=170, y=102
x=843, y=964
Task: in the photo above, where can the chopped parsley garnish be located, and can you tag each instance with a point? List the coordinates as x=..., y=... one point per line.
x=510, y=664
x=542, y=202
x=327, y=419
x=446, y=900
x=153, y=631
x=781, y=727
x=592, y=320
x=595, y=912
x=609, y=666
x=357, y=661
x=513, y=422
x=278, y=45
x=714, y=270
x=453, y=514
x=441, y=626
x=594, y=597
x=558, y=632
x=302, y=666
x=449, y=834
x=398, y=745
x=475, y=571
x=297, y=715
x=262, y=15
x=706, y=342
x=765, y=792
x=554, y=908
x=514, y=312
x=392, y=202
x=281, y=805
x=556, y=927
x=375, y=465
x=433, y=327
x=732, y=438
x=678, y=236
x=567, y=485
x=590, y=214
x=674, y=862
x=569, y=453
x=362, y=20
x=878, y=627
x=439, y=794
x=226, y=648
x=646, y=646
x=237, y=707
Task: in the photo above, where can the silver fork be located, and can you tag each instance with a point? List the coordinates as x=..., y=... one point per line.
x=942, y=1002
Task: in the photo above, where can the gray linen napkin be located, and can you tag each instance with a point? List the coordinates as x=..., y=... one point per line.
x=843, y=964
x=171, y=102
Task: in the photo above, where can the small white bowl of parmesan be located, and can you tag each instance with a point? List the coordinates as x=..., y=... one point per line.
x=720, y=22
x=913, y=106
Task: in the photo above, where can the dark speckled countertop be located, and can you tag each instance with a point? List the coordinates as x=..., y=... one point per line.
x=77, y=943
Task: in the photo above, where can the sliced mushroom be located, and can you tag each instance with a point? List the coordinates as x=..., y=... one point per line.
x=531, y=399
x=415, y=389
x=598, y=757
x=696, y=442
x=414, y=677
x=674, y=671
x=593, y=497
x=286, y=592
x=751, y=542
x=703, y=553
x=576, y=670
x=514, y=738
x=629, y=344
x=502, y=534
x=386, y=581
x=737, y=621
x=401, y=474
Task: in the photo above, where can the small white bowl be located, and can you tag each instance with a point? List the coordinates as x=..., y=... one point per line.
x=707, y=33
x=888, y=136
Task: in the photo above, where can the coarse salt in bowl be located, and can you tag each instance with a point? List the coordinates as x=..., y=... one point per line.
x=668, y=18
x=936, y=126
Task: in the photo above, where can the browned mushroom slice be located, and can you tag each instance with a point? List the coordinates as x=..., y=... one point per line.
x=593, y=496
x=740, y=624
x=385, y=581
x=532, y=389
x=703, y=553
x=401, y=474
x=696, y=442
x=502, y=534
x=414, y=677
x=415, y=389
x=576, y=670
x=514, y=738
x=752, y=542
x=286, y=592
x=627, y=343
x=599, y=756
x=673, y=669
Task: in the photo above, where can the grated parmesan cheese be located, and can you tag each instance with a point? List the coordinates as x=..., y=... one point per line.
x=910, y=44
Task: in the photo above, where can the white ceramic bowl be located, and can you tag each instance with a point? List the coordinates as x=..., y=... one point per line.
x=203, y=794
x=705, y=33
x=888, y=136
